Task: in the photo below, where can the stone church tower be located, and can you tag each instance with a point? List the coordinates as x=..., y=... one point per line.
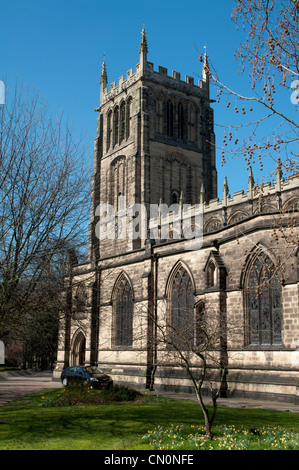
x=155, y=142
x=155, y=145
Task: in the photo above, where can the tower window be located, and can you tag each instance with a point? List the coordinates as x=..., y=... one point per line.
x=115, y=125
x=180, y=121
x=109, y=129
x=122, y=122
x=191, y=123
x=174, y=197
x=169, y=118
x=128, y=117
x=117, y=181
x=159, y=115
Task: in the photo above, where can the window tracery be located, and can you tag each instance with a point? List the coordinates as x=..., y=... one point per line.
x=122, y=120
x=263, y=302
x=115, y=125
x=180, y=121
x=109, y=129
x=123, y=313
x=169, y=118
x=128, y=117
x=182, y=307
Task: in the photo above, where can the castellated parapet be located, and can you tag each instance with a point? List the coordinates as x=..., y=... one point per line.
x=161, y=76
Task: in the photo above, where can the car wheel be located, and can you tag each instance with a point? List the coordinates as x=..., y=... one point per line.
x=64, y=381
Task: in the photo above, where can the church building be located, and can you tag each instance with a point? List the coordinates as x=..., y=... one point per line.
x=165, y=251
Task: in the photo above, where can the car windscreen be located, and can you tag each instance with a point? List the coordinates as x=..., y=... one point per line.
x=94, y=370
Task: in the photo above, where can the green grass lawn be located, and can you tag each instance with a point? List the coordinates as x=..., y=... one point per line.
x=27, y=424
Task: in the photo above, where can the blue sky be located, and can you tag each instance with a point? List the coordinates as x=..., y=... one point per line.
x=58, y=47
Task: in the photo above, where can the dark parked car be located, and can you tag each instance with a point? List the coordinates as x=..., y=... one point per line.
x=89, y=375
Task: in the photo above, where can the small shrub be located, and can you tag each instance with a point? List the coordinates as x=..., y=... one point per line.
x=79, y=394
x=74, y=394
x=120, y=393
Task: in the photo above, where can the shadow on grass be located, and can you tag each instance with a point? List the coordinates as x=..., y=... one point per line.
x=115, y=425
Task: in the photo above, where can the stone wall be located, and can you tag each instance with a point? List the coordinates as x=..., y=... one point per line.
x=147, y=164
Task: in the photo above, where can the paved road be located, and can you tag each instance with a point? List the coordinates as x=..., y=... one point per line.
x=15, y=385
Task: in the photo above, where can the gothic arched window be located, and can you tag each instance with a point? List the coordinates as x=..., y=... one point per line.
x=159, y=115
x=122, y=120
x=169, y=118
x=180, y=121
x=211, y=272
x=263, y=302
x=118, y=180
x=80, y=299
x=182, y=307
x=128, y=117
x=115, y=125
x=175, y=196
x=109, y=129
x=191, y=123
x=123, y=313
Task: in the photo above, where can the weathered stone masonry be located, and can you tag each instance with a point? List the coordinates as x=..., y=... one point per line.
x=155, y=144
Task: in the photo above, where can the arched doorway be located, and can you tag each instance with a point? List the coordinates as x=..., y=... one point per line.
x=78, y=350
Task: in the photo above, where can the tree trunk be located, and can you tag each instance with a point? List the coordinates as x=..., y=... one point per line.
x=208, y=422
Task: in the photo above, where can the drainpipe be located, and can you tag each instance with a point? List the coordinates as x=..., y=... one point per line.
x=154, y=345
x=152, y=323
x=223, y=337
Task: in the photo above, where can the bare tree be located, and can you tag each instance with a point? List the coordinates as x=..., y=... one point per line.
x=44, y=203
x=267, y=114
x=264, y=125
x=196, y=344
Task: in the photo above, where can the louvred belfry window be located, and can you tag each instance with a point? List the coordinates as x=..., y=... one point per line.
x=169, y=118
x=122, y=122
x=180, y=121
x=116, y=125
x=128, y=117
x=109, y=129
